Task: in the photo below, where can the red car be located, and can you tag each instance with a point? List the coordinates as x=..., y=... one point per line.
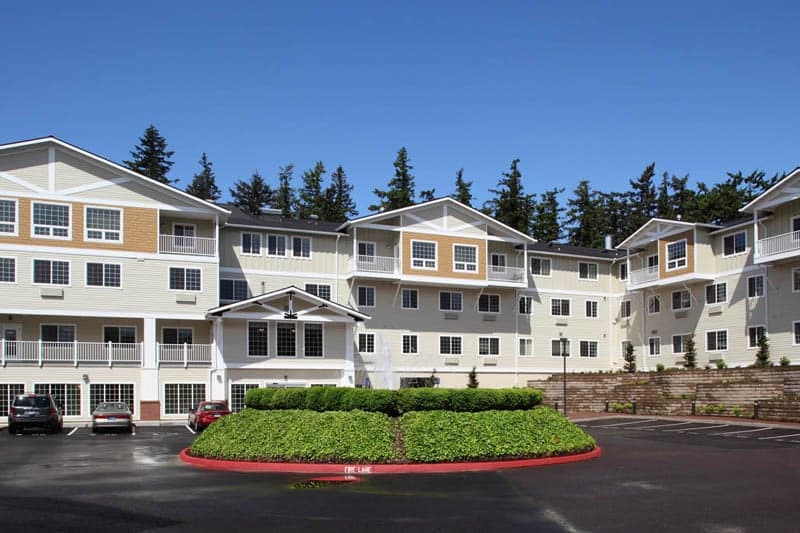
x=207, y=413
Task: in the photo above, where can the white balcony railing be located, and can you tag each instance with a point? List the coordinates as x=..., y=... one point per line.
x=176, y=244
x=41, y=352
x=184, y=354
x=779, y=244
x=504, y=273
x=375, y=264
x=643, y=275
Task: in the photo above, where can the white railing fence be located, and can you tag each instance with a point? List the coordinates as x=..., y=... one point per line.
x=176, y=244
x=376, y=264
x=506, y=273
x=778, y=244
x=184, y=354
x=643, y=275
x=41, y=352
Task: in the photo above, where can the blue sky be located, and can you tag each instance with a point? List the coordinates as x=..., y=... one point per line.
x=576, y=90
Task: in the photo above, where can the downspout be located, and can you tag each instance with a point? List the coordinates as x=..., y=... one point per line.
x=516, y=333
x=610, y=313
x=338, y=236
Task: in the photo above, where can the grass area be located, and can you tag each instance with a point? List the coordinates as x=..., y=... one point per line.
x=419, y=436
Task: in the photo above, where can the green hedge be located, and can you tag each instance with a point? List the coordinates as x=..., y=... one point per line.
x=391, y=402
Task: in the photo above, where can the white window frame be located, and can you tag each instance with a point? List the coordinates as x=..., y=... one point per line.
x=366, y=258
x=672, y=300
x=527, y=340
x=595, y=304
x=685, y=259
x=103, y=286
x=184, y=268
x=176, y=328
x=135, y=331
x=541, y=263
x=55, y=381
x=435, y=255
x=733, y=236
x=439, y=296
x=402, y=299
x=528, y=305
x=716, y=293
x=622, y=271
x=303, y=340
x=310, y=247
x=755, y=347
x=186, y=242
x=235, y=281
x=374, y=296
x=653, y=297
x=260, y=242
x=403, y=343
x=51, y=284
x=650, y=345
x=164, y=385
x=51, y=237
x=795, y=325
x=488, y=310
x=588, y=271
x=623, y=344
x=460, y=345
x=650, y=263
x=466, y=264
x=559, y=339
x=15, y=232
x=717, y=332
x=247, y=339
x=317, y=290
x=684, y=338
x=763, y=287
x=87, y=229
x=246, y=385
x=588, y=344
x=795, y=276
x=104, y=384
x=625, y=309
x=16, y=270
x=490, y=339
x=57, y=325
x=297, y=339
x=366, y=334
x=561, y=315
x=285, y=247
x=498, y=268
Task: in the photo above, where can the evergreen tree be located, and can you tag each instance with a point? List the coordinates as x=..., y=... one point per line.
x=463, y=192
x=426, y=195
x=614, y=215
x=401, y=187
x=252, y=196
x=585, y=218
x=684, y=199
x=311, y=199
x=204, y=184
x=339, y=203
x=690, y=357
x=545, y=226
x=472, y=378
x=665, y=207
x=762, y=356
x=511, y=205
x=630, y=358
x=285, y=198
x=150, y=157
x=643, y=198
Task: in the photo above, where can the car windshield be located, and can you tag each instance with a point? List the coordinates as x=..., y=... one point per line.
x=112, y=407
x=32, y=401
x=213, y=407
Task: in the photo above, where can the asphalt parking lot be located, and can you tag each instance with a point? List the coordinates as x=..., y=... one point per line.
x=646, y=480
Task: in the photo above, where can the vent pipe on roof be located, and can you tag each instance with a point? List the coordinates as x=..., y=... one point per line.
x=313, y=217
x=609, y=242
x=271, y=211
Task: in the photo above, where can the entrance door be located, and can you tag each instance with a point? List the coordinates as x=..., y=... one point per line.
x=11, y=334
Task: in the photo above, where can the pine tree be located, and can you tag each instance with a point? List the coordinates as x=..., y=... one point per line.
x=545, y=226
x=630, y=358
x=643, y=198
x=285, y=198
x=339, y=203
x=401, y=187
x=511, y=205
x=665, y=207
x=463, y=192
x=252, y=196
x=204, y=184
x=762, y=356
x=690, y=357
x=615, y=212
x=684, y=199
x=311, y=200
x=472, y=378
x=426, y=195
x=150, y=157
x=585, y=218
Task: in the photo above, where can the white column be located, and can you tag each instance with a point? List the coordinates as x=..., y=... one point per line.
x=349, y=371
x=219, y=389
x=149, y=388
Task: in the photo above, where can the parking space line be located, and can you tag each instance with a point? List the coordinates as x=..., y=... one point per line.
x=706, y=425
x=741, y=431
x=71, y=433
x=666, y=425
x=780, y=436
x=190, y=429
x=627, y=423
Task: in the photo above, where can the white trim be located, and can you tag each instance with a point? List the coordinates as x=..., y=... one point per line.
x=336, y=307
x=86, y=228
x=176, y=328
x=715, y=284
x=303, y=341
x=260, y=243
x=103, y=286
x=561, y=315
x=596, y=267
x=733, y=236
x=206, y=391
x=247, y=340
x=747, y=334
x=677, y=266
x=597, y=350
x=22, y=183
x=285, y=248
x=499, y=346
x=234, y=280
x=752, y=203
x=80, y=385
x=672, y=227
x=374, y=342
x=685, y=337
x=528, y=305
x=374, y=250
x=310, y=247
x=254, y=272
x=16, y=270
x=795, y=271
x=402, y=343
x=461, y=345
x=14, y=247
x=93, y=313
x=656, y=296
x=623, y=308
x=15, y=233
x=435, y=255
x=184, y=268
x=521, y=338
x=439, y=304
x=596, y=309
x=530, y=268
x=403, y=289
x=466, y=264
x=48, y=197
x=374, y=296
x=266, y=228
x=51, y=284
x=559, y=339
x=134, y=326
x=537, y=290
x=58, y=324
x=650, y=346
x=488, y=295
x=727, y=340
x=672, y=300
x=33, y=226
x=51, y=168
x=93, y=186
x=794, y=334
x=763, y=286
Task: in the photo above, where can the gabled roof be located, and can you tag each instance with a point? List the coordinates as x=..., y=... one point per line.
x=656, y=228
x=293, y=291
x=278, y=222
x=102, y=160
x=557, y=248
x=780, y=193
x=436, y=201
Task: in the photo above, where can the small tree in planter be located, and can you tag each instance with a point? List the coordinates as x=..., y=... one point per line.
x=473, y=379
x=690, y=357
x=630, y=358
x=762, y=356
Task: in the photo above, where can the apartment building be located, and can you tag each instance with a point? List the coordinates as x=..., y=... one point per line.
x=115, y=287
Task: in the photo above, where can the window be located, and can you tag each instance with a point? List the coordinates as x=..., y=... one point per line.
x=679, y=343
x=51, y=221
x=623, y=271
x=119, y=334
x=465, y=258
x=716, y=293
x=238, y=392
x=497, y=262
x=587, y=271
x=540, y=266
x=233, y=289
x=46, y=272
x=652, y=262
x=654, y=346
x=179, y=398
x=795, y=326
x=366, y=296
x=717, y=341
x=366, y=251
x=103, y=275
x=755, y=286
x=276, y=245
x=318, y=289
x=177, y=335
x=559, y=307
x=449, y=345
x=625, y=345
x=734, y=244
x=313, y=340
x=489, y=346
x=57, y=333
x=681, y=299
x=591, y=308
x=103, y=224
x=410, y=299
x=423, y=254
x=7, y=393
x=559, y=347
x=450, y=301
x=184, y=235
x=525, y=305
x=489, y=303
x=257, y=339
x=301, y=247
x=753, y=334
x=625, y=309
x=525, y=347
x=653, y=304
x=184, y=279
x=8, y=219
x=676, y=255
x=796, y=280
x=8, y=270
x=588, y=348
x=251, y=243
x=366, y=343
x=110, y=392
x=287, y=339
x=66, y=394
x=410, y=345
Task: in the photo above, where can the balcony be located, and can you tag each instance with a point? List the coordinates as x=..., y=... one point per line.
x=183, y=354
x=643, y=275
x=75, y=353
x=505, y=274
x=374, y=264
x=778, y=247
x=179, y=245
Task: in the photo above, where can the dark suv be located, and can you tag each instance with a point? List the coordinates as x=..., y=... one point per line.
x=29, y=410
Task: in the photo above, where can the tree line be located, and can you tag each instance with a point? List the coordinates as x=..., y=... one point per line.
x=587, y=216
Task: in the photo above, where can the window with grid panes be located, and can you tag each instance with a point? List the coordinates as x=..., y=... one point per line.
x=755, y=286
x=233, y=289
x=734, y=244
x=8, y=270
x=591, y=308
x=8, y=217
x=450, y=301
x=286, y=339
x=525, y=347
x=238, y=392
x=681, y=300
x=587, y=271
x=251, y=243
x=679, y=343
x=103, y=224
x=559, y=307
x=179, y=398
x=410, y=344
x=7, y=393
x=625, y=309
x=276, y=245
x=489, y=303
x=184, y=279
x=654, y=346
x=301, y=247
x=623, y=271
x=57, y=332
x=716, y=293
x=423, y=254
x=51, y=220
x=525, y=305
x=120, y=334
x=110, y=392
x=410, y=298
x=177, y=335
x=257, y=339
x=366, y=296
x=103, y=275
x=465, y=258
x=449, y=345
x=540, y=266
x=488, y=346
x=318, y=289
x=753, y=334
x=717, y=341
x=312, y=340
x=366, y=343
x=46, y=272
x=66, y=394
x=366, y=251
x=559, y=348
x=676, y=255
x=588, y=348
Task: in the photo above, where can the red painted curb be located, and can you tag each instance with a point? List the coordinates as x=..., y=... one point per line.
x=426, y=468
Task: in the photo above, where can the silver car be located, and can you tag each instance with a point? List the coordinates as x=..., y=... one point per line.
x=109, y=415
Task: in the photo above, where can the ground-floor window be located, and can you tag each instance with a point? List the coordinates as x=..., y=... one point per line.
x=525, y=346
x=366, y=343
x=287, y=339
x=559, y=347
x=110, y=392
x=415, y=383
x=7, y=393
x=754, y=333
x=654, y=346
x=795, y=325
x=180, y=397
x=238, y=391
x=66, y=394
x=488, y=346
x=589, y=348
x=717, y=341
x=312, y=340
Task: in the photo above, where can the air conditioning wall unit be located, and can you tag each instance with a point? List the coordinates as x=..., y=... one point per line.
x=715, y=310
x=681, y=314
x=562, y=322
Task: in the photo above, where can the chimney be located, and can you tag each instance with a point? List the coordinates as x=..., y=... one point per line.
x=609, y=243
x=271, y=211
x=313, y=217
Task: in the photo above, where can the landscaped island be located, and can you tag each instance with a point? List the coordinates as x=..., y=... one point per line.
x=339, y=425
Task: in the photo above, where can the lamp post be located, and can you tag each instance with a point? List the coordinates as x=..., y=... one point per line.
x=564, y=345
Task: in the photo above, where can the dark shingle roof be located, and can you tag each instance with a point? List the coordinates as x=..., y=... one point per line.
x=568, y=249
x=239, y=217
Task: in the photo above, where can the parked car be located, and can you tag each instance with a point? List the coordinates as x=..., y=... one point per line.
x=112, y=415
x=207, y=413
x=34, y=410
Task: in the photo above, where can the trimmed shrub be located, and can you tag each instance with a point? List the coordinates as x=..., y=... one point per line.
x=374, y=400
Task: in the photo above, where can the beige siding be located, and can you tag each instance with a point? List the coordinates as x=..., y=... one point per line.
x=323, y=253
x=781, y=220
x=30, y=165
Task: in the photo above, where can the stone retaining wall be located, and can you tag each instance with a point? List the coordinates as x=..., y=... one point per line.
x=671, y=392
